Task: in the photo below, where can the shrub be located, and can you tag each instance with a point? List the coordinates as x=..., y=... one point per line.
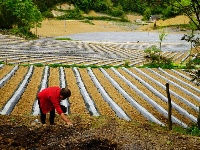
x=38, y=65
x=72, y=14
x=47, y=14
x=126, y=63
x=116, y=11
x=147, y=14
x=194, y=130
x=155, y=60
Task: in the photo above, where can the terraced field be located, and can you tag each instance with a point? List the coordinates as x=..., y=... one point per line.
x=127, y=99
x=128, y=93
x=14, y=50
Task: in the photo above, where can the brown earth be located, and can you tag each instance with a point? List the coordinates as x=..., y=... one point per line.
x=52, y=27
x=68, y=27
x=89, y=133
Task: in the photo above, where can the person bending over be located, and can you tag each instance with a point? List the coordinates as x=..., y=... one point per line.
x=49, y=100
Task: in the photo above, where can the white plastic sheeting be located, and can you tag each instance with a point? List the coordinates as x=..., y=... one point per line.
x=63, y=84
x=1, y=65
x=149, y=100
x=171, y=92
x=178, y=86
x=7, y=109
x=162, y=97
x=141, y=109
x=8, y=76
x=118, y=110
x=88, y=101
x=43, y=85
x=182, y=82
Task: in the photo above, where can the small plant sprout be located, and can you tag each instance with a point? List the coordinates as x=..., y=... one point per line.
x=162, y=37
x=126, y=63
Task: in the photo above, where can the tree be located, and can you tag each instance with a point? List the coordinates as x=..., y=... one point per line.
x=24, y=14
x=190, y=8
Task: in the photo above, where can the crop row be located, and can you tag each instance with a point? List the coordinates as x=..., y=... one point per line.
x=128, y=93
x=50, y=51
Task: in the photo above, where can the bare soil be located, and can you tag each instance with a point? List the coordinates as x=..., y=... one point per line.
x=52, y=27
x=17, y=132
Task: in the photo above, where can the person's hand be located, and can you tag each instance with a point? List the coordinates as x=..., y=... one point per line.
x=69, y=123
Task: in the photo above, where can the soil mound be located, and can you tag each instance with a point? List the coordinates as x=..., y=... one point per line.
x=89, y=133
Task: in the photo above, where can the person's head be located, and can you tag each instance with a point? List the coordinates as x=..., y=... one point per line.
x=64, y=109
x=64, y=93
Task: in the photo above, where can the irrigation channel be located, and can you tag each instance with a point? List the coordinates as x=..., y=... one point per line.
x=127, y=93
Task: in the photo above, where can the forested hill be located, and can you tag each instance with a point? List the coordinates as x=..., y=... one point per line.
x=28, y=14
x=117, y=7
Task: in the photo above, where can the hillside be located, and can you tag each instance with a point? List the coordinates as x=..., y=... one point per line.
x=90, y=133
x=129, y=104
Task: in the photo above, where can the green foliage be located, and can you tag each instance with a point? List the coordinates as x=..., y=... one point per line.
x=106, y=18
x=179, y=129
x=47, y=14
x=194, y=130
x=191, y=9
x=116, y=11
x=147, y=14
x=152, y=53
x=46, y=5
x=24, y=14
x=64, y=38
x=155, y=60
x=195, y=43
x=162, y=36
x=193, y=63
x=88, y=21
x=126, y=63
x=39, y=65
x=54, y=65
x=72, y=14
x=22, y=32
x=158, y=65
x=167, y=12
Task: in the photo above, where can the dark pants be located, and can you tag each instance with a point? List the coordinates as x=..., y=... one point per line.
x=43, y=116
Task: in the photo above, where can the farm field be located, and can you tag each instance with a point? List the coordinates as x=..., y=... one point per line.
x=16, y=51
x=114, y=108
x=124, y=94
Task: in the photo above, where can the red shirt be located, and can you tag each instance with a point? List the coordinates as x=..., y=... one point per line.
x=50, y=99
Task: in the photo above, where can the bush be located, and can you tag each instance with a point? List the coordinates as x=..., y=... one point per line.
x=47, y=14
x=116, y=11
x=194, y=130
x=155, y=60
x=147, y=14
x=72, y=14
x=126, y=63
x=38, y=65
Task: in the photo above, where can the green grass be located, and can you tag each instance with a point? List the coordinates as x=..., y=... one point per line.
x=64, y=38
x=74, y=65
x=87, y=21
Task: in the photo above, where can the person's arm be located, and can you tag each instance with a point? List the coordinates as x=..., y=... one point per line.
x=62, y=115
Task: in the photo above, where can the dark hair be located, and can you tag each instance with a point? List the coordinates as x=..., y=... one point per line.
x=64, y=109
x=65, y=92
